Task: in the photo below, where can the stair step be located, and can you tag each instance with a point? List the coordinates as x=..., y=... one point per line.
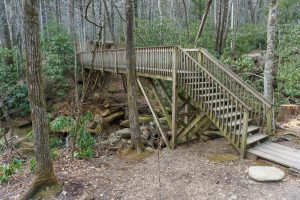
x=212, y=94
x=199, y=83
x=223, y=108
x=217, y=101
x=236, y=122
x=251, y=129
x=255, y=138
x=229, y=115
x=204, y=89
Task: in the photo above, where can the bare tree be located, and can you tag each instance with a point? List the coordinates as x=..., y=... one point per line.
x=201, y=27
x=270, y=55
x=4, y=29
x=45, y=175
x=221, y=23
x=136, y=140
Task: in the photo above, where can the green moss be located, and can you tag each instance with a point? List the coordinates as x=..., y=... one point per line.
x=130, y=154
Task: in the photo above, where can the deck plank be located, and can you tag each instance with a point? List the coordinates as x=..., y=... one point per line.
x=271, y=152
x=282, y=149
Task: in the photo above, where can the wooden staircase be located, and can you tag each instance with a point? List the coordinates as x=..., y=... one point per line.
x=241, y=114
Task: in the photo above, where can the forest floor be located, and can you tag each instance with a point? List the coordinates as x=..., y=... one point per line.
x=198, y=170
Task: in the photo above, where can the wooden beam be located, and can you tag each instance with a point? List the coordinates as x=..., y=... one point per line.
x=174, y=98
x=161, y=104
x=164, y=89
x=156, y=120
x=191, y=125
x=97, y=79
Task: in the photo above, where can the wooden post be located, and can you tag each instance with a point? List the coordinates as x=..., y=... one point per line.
x=269, y=115
x=116, y=62
x=244, y=134
x=201, y=57
x=174, y=98
x=156, y=120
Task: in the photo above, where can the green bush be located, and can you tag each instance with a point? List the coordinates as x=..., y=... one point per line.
x=7, y=170
x=248, y=38
x=13, y=84
x=58, y=56
x=84, y=141
x=289, y=66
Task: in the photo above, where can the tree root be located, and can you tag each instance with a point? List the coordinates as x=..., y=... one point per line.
x=41, y=181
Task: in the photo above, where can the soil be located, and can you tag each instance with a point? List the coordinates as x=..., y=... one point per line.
x=197, y=170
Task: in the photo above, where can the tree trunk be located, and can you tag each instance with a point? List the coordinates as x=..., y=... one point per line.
x=136, y=140
x=270, y=55
x=45, y=175
x=201, y=27
x=221, y=25
x=4, y=32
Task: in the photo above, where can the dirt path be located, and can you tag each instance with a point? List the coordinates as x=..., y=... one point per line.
x=200, y=170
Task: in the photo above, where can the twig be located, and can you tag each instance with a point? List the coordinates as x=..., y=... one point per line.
x=120, y=15
x=86, y=17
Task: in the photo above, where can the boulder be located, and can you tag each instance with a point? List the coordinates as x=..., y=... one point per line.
x=265, y=173
x=142, y=120
x=123, y=133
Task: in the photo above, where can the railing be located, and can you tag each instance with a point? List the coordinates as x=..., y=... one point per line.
x=202, y=77
x=151, y=60
x=261, y=111
x=191, y=73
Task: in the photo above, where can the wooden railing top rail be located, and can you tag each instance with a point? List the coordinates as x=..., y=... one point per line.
x=236, y=78
x=220, y=65
x=124, y=49
x=216, y=80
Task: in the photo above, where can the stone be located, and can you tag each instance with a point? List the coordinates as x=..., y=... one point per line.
x=124, y=133
x=98, y=119
x=265, y=173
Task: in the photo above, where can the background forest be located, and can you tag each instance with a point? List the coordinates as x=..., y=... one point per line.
x=240, y=41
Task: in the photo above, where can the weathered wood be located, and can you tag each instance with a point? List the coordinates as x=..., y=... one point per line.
x=164, y=136
x=279, y=154
x=244, y=135
x=190, y=125
x=211, y=86
x=174, y=98
x=161, y=104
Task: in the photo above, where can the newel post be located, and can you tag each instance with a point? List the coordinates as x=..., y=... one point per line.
x=174, y=96
x=269, y=116
x=200, y=57
x=244, y=134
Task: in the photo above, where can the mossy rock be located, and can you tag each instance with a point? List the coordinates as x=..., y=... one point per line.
x=142, y=120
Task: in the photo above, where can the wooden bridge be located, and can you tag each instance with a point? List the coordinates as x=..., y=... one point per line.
x=216, y=94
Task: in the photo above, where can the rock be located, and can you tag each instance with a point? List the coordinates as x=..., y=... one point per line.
x=142, y=120
x=114, y=116
x=150, y=149
x=265, y=173
x=98, y=119
x=109, y=142
x=27, y=145
x=124, y=133
x=145, y=134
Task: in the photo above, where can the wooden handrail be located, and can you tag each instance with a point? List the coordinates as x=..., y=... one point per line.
x=215, y=79
x=236, y=78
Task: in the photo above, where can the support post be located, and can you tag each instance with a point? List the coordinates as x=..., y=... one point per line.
x=161, y=104
x=200, y=57
x=244, y=134
x=156, y=120
x=174, y=98
x=269, y=115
